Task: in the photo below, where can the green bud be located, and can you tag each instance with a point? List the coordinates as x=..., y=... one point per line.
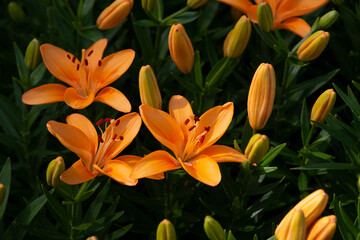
x=2, y=193
x=196, y=3
x=257, y=148
x=337, y=2
x=16, y=12
x=55, y=168
x=32, y=54
x=148, y=5
x=265, y=17
x=213, y=229
x=165, y=231
x=328, y=19
x=149, y=89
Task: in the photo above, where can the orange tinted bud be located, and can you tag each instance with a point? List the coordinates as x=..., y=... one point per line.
x=261, y=96
x=238, y=38
x=114, y=14
x=294, y=228
x=313, y=46
x=323, y=106
x=165, y=231
x=323, y=229
x=181, y=49
x=149, y=89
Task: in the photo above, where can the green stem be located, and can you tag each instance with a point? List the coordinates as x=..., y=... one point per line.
x=307, y=142
x=88, y=27
x=174, y=15
x=83, y=188
x=284, y=83
x=159, y=31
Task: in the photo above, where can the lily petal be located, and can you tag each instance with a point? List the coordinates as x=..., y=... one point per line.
x=163, y=127
x=252, y=13
x=44, y=94
x=296, y=25
x=112, y=67
x=292, y=8
x=74, y=100
x=119, y=171
x=82, y=123
x=242, y=5
x=154, y=163
x=218, y=119
x=180, y=109
x=221, y=153
x=73, y=139
x=203, y=168
x=114, y=98
x=61, y=64
x=132, y=160
x=95, y=53
x=76, y=174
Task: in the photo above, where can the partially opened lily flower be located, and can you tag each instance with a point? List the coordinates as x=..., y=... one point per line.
x=98, y=153
x=190, y=138
x=87, y=78
x=285, y=12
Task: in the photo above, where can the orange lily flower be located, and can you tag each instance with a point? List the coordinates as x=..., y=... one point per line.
x=190, y=138
x=285, y=12
x=80, y=136
x=88, y=79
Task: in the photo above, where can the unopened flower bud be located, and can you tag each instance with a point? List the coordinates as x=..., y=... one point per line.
x=149, y=89
x=323, y=229
x=92, y=238
x=32, y=55
x=323, y=106
x=148, y=5
x=196, y=3
x=2, y=193
x=313, y=46
x=257, y=148
x=265, y=17
x=213, y=229
x=114, y=14
x=181, y=49
x=261, y=96
x=337, y=2
x=238, y=38
x=294, y=228
x=55, y=168
x=16, y=12
x=165, y=231
x=328, y=19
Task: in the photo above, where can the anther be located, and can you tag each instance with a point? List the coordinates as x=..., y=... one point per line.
x=192, y=127
x=68, y=56
x=197, y=119
x=207, y=128
x=107, y=120
x=99, y=63
x=86, y=62
x=77, y=67
x=100, y=122
x=187, y=121
x=121, y=138
x=100, y=139
x=202, y=139
x=117, y=122
x=114, y=137
x=73, y=59
x=90, y=53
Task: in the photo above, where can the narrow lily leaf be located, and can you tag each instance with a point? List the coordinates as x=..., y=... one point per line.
x=143, y=37
x=5, y=178
x=197, y=70
x=327, y=166
x=187, y=84
x=357, y=85
x=95, y=207
x=266, y=37
x=183, y=18
x=346, y=233
x=20, y=62
x=43, y=234
x=99, y=223
x=358, y=213
x=264, y=188
x=217, y=71
x=255, y=237
x=246, y=135
x=86, y=8
x=352, y=103
x=269, y=157
x=207, y=16
x=118, y=233
x=259, y=170
x=302, y=182
x=304, y=122
x=272, y=238
x=230, y=236
x=147, y=23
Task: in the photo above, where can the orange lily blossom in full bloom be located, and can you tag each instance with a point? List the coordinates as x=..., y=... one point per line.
x=285, y=12
x=190, y=138
x=88, y=78
x=80, y=136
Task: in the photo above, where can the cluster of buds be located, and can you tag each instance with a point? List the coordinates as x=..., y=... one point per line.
x=302, y=221
x=149, y=89
x=313, y=46
x=165, y=231
x=257, y=147
x=114, y=14
x=323, y=106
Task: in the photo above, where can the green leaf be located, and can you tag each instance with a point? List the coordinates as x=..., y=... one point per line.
x=183, y=18
x=246, y=135
x=37, y=74
x=217, y=71
x=207, y=16
x=304, y=123
x=20, y=63
x=187, y=84
x=230, y=236
x=269, y=157
x=147, y=23
x=327, y=166
x=44, y=234
x=197, y=70
x=95, y=207
x=302, y=182
x=118, y=233
x=264, y=188
x=259, y=170
x=5, y=178
x=352, y=103
x=86, y=8
x=345, y=225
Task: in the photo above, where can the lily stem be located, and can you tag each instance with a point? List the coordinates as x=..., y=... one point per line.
x=174, y=15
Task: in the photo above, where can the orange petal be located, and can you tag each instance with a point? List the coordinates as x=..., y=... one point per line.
x=203, y=168
x=155, y=163
x=221, y=153
x=74, y=100
x=119, y=171
x=73, y=139
x=180, y=109
x=242, y=5
x=114, y=98
x=132, y=160
x=95, y=53
x=82, y=123
x=163, y=127
x=112, y=67
x=76, y=174
x=251, y=13
x=292, y=8
x=128, y=127
x=295, y=25
x=218, y=119
x=61, y=64
x=47, y=93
